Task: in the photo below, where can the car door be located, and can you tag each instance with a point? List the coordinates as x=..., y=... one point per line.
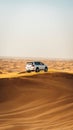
x=42, y=66
x=38, y=65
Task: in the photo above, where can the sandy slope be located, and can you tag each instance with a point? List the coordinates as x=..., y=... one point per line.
x=38, y=102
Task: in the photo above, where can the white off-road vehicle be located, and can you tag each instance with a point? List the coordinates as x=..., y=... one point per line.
x=36, y=66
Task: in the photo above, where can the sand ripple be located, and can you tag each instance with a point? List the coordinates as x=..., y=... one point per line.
x=40, y=102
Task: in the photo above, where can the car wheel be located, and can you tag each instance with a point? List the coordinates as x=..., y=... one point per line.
x=28, y=71
x=46, y=69
x=37, y=70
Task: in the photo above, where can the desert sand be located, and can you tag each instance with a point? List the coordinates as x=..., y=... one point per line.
x=37, y=102
x=18, y=65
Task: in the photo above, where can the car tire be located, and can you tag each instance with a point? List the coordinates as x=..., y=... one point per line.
x=46, y=69
x=37, y=70
x=28, y=71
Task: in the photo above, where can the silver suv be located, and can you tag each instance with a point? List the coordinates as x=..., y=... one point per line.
x=36, y=66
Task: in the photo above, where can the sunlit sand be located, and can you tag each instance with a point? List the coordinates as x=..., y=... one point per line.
x=36, y=101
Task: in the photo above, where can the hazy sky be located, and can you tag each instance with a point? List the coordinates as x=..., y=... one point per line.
x=36, y=28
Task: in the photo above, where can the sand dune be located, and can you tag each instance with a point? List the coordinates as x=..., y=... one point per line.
x=18, y=65
x=38, y=102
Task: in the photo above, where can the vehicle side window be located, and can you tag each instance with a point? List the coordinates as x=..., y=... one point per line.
x=41, y=63
x=37, y=63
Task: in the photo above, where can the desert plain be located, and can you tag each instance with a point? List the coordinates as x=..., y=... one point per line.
x=36, y=101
